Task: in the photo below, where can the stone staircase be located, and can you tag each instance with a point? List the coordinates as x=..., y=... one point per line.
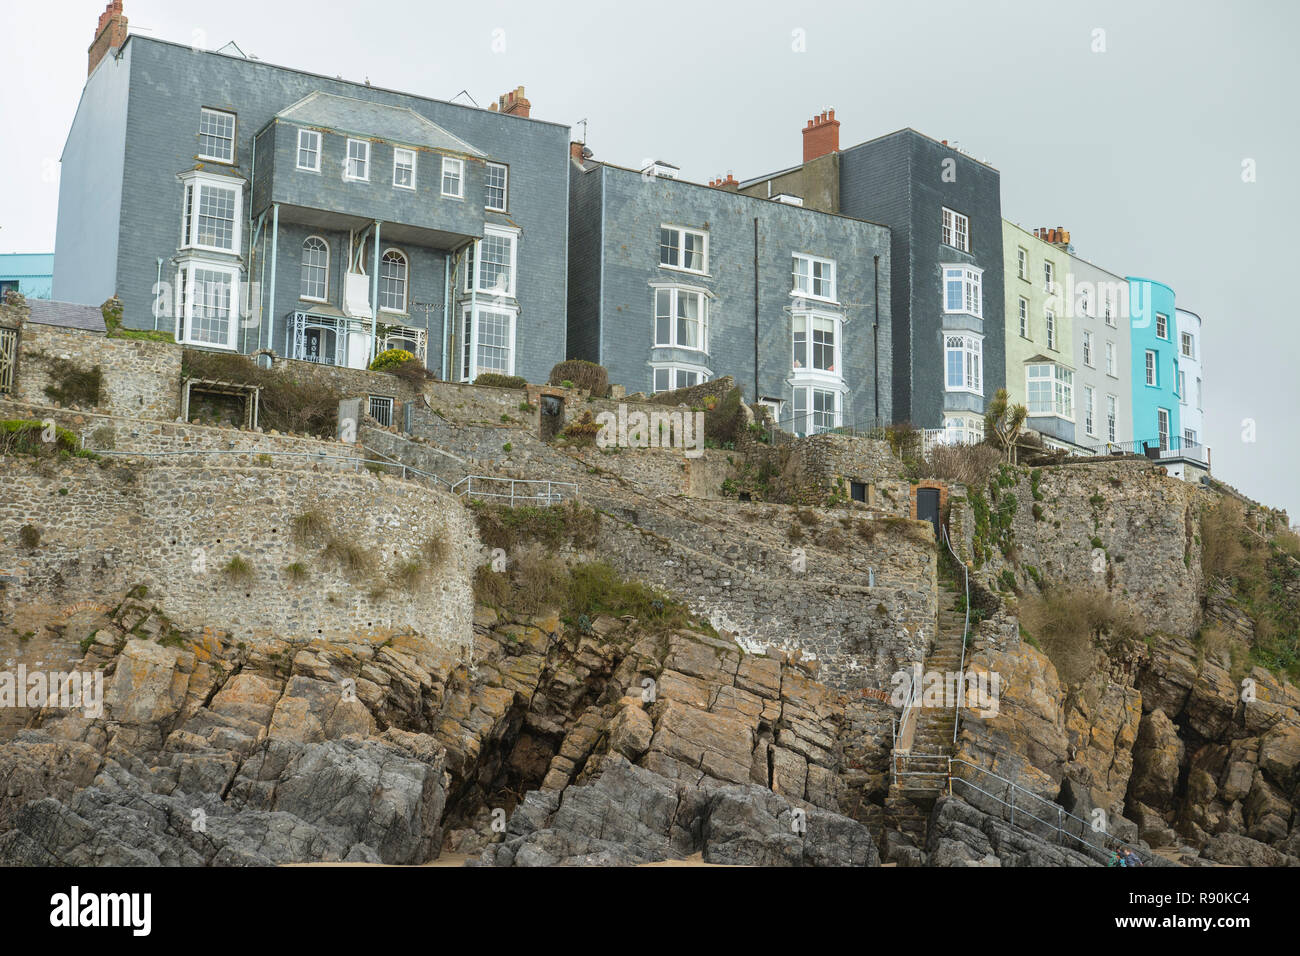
x=910, y=798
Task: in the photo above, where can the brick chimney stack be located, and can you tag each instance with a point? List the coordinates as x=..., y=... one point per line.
x=730, y=184
x=110, y=34
x=821, y=136
x=513, y=103
x=1057, y=236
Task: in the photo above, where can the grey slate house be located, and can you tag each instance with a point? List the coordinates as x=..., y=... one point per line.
x=672, y=283
x=944, y=213
x=249, y=206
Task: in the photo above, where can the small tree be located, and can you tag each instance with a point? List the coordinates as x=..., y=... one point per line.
x=1004, y=421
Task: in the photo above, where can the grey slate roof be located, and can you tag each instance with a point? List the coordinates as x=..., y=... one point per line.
x=396, y=124
x=66, y=314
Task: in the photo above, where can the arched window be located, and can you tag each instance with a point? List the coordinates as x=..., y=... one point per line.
x=315, y=269
x=392, y=281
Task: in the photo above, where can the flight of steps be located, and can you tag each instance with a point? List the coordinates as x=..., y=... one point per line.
x=908, y=803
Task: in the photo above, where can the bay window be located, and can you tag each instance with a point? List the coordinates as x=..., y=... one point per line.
x=207, y=304
x=681, y=319
x=815, y=342
x=489, y=341
x=964, y=363
x=816, y=410
x=963, y=429
x=1050, y=390
x=962, y=290
x=213, y=207
x=492, y=262
x=668, y=378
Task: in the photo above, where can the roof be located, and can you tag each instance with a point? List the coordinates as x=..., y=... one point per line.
x=396, y=124
x=69, y=315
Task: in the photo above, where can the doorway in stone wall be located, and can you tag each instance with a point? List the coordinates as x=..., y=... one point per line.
x=552, y=417
x=927, y=508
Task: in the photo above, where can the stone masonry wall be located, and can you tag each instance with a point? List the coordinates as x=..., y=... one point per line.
x=108, y=526
x=137, y=379
x=1119, y=526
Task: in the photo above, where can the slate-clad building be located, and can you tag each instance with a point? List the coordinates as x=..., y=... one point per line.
x=673, y=283
x=249, y=206
x=943, y=210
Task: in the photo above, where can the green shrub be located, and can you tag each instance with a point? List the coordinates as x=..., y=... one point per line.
x=71, y=384
x=27, y=437
x=390, y=359
x=296, y=572
x=583, y=374
x=496, y=380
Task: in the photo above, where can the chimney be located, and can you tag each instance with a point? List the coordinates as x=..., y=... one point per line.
x=513, y=103
x=110, y=34
x=821, y=136
x=579, y=153
x=1057, y=236
x=730, y=184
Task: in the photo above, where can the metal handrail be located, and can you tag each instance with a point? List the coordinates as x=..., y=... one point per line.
x=1061, y=812
x=552, y=494
x=965, y=632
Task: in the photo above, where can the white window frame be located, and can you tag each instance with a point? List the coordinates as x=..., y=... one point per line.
x=1023, y=307
x=398, y=153
x=807, y=392
x=185, y=303
x=1022, y=263
x=1111, y=360
x=1089, y=411
x=1182, y=385
x=193, y=184
x=680, y=248
x=674, y=371
x=1049, y=317
x=406, y=281
x=316, y=150
x=505, y=187
x=1189, y=437
x=960, y=429
x=1187, y=344
x=473, y=270
x=674, y=294
x=469, y=367
x=1152, y=370
x=1060, y=381
x=800, y=258
x=450, y=163
x=363, y=159
x=234, y=135
x=809, y=316
x=972, y=284
x=1162, y=319
x=1087, y=349
x=326, y=296
x=956, y=229
x=971, y=348
x=1110, y=314
x=1112, y=418
x=1163, y=425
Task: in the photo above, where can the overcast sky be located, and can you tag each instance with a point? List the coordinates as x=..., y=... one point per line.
x=1137, y=150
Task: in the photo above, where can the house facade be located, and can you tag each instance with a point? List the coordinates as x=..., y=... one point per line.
x=1191, y=382
x=1155, y=366
x=943, y=210
x=250, y=207
x=1041, y=363
x=1103, y=354
x=673, y=283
